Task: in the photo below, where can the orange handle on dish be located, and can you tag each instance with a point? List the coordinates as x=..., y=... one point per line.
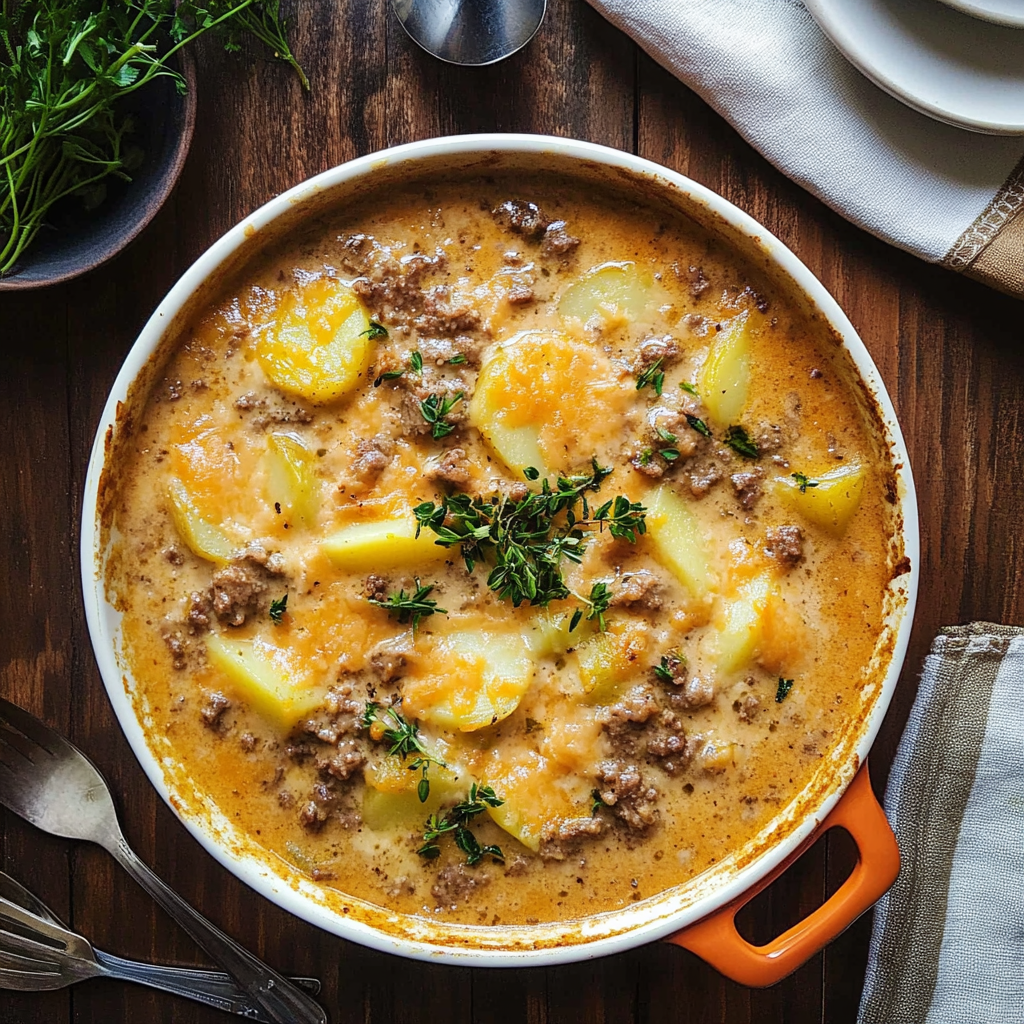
x=716, y=940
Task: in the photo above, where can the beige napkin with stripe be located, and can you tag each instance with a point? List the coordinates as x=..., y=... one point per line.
x=948, y=195
x=948, y=939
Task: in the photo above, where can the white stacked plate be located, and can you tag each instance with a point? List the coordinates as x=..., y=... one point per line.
x=959, y=61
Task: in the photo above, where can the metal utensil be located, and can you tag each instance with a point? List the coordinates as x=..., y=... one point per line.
x=54, y=786
x=39, y=952
x=472, y=32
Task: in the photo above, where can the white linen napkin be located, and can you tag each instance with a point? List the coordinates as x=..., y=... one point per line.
x=948, y=939
x=945, y=194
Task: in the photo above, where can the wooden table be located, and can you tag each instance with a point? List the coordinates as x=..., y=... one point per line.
x=949, y=351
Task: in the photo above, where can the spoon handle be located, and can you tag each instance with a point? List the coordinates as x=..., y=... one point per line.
x=213, y=988
x=277, y=997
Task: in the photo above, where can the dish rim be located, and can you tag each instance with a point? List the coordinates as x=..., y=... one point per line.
x=298, y=899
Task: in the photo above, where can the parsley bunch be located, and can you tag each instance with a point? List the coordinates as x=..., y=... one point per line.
x=525, y=541
x=64, y=66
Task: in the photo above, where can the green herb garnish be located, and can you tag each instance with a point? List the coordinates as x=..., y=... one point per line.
x=457, y=360
x=669, y=453
x=596, y=803
x=531, y=473
x=415, y=362
x=525, y=541
x=404, y=740
x=597, y=604
x=785, y=685
x=373, y=332
x=652, y=375
x=739, y=441
x=277, y=610
x=435, y=408
x=803, y=482
x=455, y=822
x=699, y=425
x=410, y=607
x=65, y=65
x=689, y=389
x=671, y=663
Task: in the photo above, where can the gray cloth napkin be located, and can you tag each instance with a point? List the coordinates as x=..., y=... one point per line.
x=948, y=939
x=943, y=193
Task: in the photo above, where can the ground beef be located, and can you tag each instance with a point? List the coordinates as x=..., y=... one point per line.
x=198, y=617
x=173, y=555
x=298, y=751
x=521, y=292
x=557, y=241
x=247, y=741
x=641, y=588
x=522, y=217
x=650, y=350
x=447, y=312
x=441, y=351
x=388, y=659
x=769, y=438
x=623, y=788
x=235, y=590
x=392, y=287
x=693, y=693
x=178, y=650
x=371, y=457
x=375, y=588
x=746, y=708
x=650, y=464
x=341, y=765
x=313, y=815
x=638, y=705
x=747, y=486
x=669, y=743
x=785, y=544
x=213, y=708
x=694, y=277
x=256, y=553
x=560, y=841
x=414, y=390
x=455, y=884
x=285, y=799
x=703, y=476
x=453, y=467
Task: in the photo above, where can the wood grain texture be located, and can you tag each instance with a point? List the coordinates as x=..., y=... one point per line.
x=948, y=349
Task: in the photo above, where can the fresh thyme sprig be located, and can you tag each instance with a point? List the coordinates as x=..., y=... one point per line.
x=652, y=375
x=739, y=441
x=435, y=409
x=597, y=604
x=455, y=822
x=403, y=737
x=525, y=541
x=373, y=332
x=415, y=364
x=277, y=610
x=410, y=607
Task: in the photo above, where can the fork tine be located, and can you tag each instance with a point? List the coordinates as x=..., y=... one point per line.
x=9, y=738
x=30, y=727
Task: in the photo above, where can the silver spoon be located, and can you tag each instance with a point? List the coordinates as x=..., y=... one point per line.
x=472, y=32
x=54, y=786
x=38, y=952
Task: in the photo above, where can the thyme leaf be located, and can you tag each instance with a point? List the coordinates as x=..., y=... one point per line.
x=435, y=408
x=455, y=823
x=277, y=610
x=699, y=425
x=403, y=739
x=785, y=685
x=374, y=331
x=653, y=375
x=803, y=482
x=410, y=607
x=739, y=441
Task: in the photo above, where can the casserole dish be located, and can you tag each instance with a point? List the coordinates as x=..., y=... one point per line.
x=711, y=898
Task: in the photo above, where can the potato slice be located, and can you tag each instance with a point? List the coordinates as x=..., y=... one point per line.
x=480, y=679
x=265, y=676
x=292, y=478
x=549, y=633
x=317, y=345
x=537, y=795
x=529, y=395
x=725, y=377
x=382, y=545
x=608, y=660
x=743, y=625
x=679, y=542
x=832, y=503
x=390, y=799
x=609, y=290
x=199, y=534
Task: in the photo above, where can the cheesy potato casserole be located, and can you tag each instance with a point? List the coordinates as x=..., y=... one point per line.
x=503, y=550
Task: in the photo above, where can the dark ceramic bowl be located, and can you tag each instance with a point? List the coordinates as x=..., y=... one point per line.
x=75, y=241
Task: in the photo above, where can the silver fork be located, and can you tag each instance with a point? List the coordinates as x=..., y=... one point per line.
x=54, y=786
x=39, y=952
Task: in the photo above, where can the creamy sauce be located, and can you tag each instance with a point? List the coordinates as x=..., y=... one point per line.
x=289, y=436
